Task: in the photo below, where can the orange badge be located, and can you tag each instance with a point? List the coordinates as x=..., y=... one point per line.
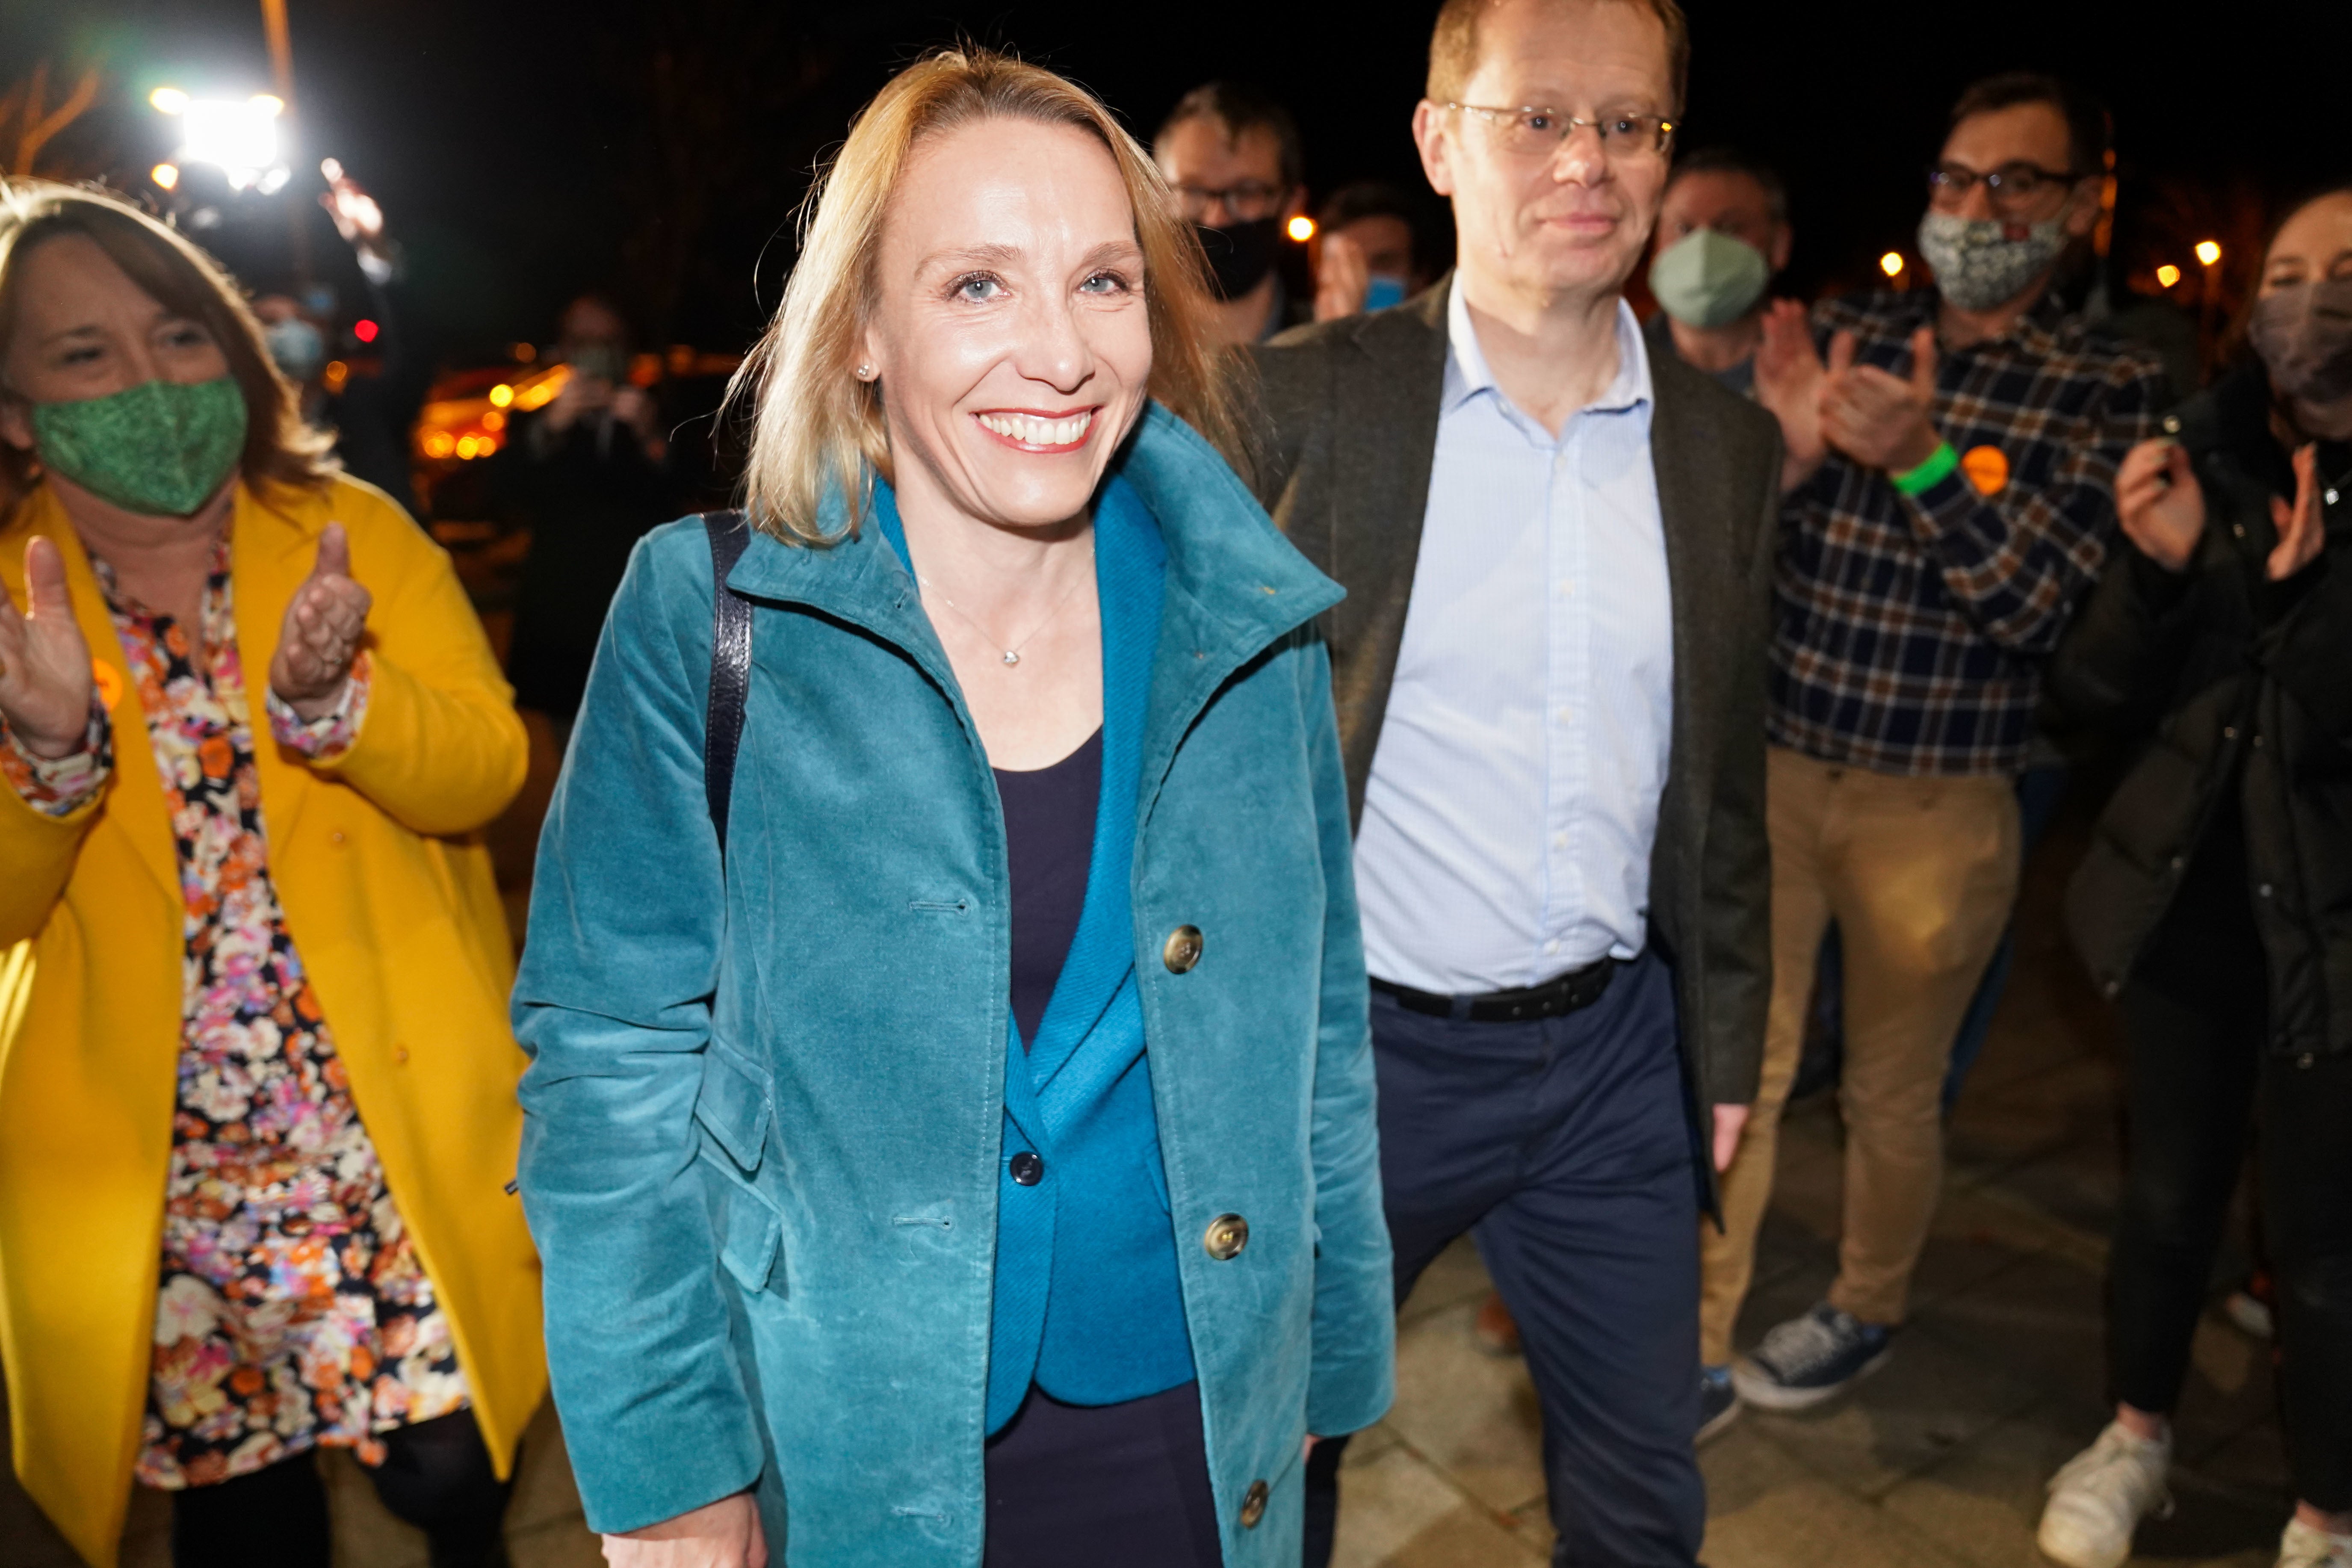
x=108, y=681
x=1987, y=469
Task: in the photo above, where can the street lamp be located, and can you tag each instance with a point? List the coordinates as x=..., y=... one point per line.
x=240, y=140
x=2208, y=257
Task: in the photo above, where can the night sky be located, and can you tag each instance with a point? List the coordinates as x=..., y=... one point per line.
x=526, y=149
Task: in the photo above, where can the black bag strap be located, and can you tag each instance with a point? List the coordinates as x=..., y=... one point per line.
x=731, y=667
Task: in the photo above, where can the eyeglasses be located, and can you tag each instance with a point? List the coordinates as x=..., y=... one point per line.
x=1245, y=201
x=2009, y=188
x=1538, y=132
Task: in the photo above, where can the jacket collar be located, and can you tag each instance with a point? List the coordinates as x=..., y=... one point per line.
x=1233, y=584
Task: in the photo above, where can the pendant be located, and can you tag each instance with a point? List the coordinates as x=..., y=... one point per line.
x=1011, y=657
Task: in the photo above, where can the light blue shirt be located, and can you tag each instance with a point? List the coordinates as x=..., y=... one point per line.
x=1514, y=794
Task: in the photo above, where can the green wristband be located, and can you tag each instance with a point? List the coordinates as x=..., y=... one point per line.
x=1911, y=481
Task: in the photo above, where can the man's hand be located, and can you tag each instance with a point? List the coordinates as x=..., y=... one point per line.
x=1730, y=1122
x=1788, y=378
x=44, y=674
x=321, y=633
x=358, y=217
x=1877, y=419
x=2160, y=504
x=2303, y=527
x=1343, y=278
x=722, y=1534
x=579, y=396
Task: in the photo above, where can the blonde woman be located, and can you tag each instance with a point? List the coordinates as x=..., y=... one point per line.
x=975, y=1163
x=252, y=966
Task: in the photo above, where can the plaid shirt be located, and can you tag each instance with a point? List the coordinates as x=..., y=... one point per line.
x=1910, y=631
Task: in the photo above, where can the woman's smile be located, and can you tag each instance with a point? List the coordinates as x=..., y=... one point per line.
x=1034, y=430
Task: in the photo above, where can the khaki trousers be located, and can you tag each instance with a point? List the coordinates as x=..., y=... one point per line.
x=1919, y=875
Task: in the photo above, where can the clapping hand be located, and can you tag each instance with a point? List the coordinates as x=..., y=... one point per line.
x=2303, y=527
x=1343, y=278
x=1877, y=418
x=1788, y=378
x=2159, y=504
x=45, y=672
x=321, y=633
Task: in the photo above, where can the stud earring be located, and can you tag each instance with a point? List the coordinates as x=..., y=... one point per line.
x=866, y=372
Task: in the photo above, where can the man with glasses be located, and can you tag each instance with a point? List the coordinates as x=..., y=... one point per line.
x=1549, y=672
x=1952, y=462
x=1238, y=167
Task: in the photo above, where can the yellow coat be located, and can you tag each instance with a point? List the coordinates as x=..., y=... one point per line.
x=392, y=906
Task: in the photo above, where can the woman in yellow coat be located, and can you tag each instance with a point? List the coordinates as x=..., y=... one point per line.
x=257, y=1110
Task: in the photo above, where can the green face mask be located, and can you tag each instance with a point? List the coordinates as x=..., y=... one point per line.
x=1707, y=278
x=161, y=447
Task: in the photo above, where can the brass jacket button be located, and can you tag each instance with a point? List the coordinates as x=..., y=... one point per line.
x=1183, y=951
x=1253, y=1505
x=1227, y=1235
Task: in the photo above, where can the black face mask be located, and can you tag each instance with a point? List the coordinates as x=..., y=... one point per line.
x=1240, y=254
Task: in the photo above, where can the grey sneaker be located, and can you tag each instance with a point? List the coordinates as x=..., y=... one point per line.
x=1718, y=1402
x=2098, y=1498
x=1810, y=1360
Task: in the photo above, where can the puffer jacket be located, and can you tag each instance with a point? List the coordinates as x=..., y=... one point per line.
x=2230, y=679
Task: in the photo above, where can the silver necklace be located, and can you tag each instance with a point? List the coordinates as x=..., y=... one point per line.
x=1013, y=653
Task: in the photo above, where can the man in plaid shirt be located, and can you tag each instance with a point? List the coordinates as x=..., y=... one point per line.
x=1952, y=453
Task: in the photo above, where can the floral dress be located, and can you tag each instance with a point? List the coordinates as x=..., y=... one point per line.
x=293, y=1310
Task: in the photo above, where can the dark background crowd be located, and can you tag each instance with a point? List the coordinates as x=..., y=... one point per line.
x=530, y=150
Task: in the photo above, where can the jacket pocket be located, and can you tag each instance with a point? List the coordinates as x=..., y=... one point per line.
x=736, y=1104
x=752, y=1235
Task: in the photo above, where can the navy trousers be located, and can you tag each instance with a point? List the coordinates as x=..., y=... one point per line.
x=1564, y=1146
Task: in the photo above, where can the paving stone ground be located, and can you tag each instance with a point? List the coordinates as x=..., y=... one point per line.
x=1937, y=1462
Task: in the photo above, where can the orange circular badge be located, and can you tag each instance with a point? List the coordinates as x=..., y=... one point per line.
x=1987, y=469
x=108, y=681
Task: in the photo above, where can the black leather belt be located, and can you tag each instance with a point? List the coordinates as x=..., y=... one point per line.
x=1570, y=993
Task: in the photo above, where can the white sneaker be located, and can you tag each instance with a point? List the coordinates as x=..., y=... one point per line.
x=2304, y=1547
x=2100, y=1496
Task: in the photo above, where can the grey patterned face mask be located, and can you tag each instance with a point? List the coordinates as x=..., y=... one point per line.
x=1977, y=264
x=2303, y=334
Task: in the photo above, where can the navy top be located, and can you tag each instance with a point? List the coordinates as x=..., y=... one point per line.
x=1049, y=841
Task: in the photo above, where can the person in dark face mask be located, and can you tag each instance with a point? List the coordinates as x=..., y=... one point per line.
x=2204, y=905
x=1234, y=158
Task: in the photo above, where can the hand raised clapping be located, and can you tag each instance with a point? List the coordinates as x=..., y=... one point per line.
x=322, y=632
x=44, y=674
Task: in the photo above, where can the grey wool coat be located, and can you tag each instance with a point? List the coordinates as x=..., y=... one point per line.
x=1345, y=431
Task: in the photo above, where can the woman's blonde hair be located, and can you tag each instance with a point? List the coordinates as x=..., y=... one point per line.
x=815, y=428
x=280, y=448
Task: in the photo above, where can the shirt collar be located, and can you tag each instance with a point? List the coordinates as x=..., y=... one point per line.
x=1467, y=376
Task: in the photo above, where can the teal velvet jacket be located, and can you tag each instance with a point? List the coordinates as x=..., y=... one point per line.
x=766, y=1117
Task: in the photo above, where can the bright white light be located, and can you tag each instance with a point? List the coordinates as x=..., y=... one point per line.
x=168, y=99
x=238, y=139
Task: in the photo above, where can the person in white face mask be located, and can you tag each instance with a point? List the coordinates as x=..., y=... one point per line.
x=1723, y=236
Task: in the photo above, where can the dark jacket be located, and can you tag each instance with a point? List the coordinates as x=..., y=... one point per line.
x=1348, y=429
x=2234, y=680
